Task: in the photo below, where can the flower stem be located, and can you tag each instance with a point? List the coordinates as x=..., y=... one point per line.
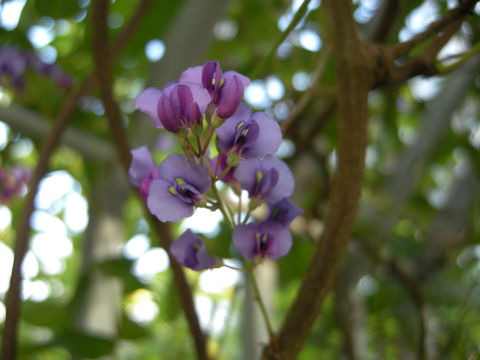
x=220, y=205
x=260, y=302
x=208, y=137
x=225, y=172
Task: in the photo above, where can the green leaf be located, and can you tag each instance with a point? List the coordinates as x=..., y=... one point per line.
x=48, y=313
x=57, y=8
x=82, y=344
x=130, y=330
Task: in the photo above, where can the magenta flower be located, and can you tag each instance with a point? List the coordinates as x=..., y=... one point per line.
x=190, y=251
x=266, y=239
x=283, y=212
x=249, y=136
x=13, y=183
x=225, y=89
x=268, y=179
x=178, y=189
x=177, y=105
x=142, y=170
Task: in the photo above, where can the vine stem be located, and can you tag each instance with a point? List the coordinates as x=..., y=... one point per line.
x=261, y=304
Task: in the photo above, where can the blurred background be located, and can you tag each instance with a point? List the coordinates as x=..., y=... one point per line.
x=96, y=282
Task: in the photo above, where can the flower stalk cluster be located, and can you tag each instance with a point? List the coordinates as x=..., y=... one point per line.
x=204, y=109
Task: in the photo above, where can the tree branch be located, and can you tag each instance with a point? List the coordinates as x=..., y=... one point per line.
x=104, y=76
x=36, y=126
x=354, y=81
x=10, y=329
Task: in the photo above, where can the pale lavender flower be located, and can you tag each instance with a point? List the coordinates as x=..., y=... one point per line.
x=179, y=188
x=283, y=212
x=190, y=251
x=268, y=179
x=249, y=136
x=260, y=240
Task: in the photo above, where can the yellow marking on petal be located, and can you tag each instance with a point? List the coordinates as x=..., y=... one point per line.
x=264, y=238
x=259, y=176
x=180, y=181
x=222, y=80
x=257, y=236
x=240, y=124
x=245, y=132
x=275, y=212
x=172, y=191
x=197, y=245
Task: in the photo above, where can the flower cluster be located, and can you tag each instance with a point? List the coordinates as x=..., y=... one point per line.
x=14, y=63
x=13, y=183
x=202, y=108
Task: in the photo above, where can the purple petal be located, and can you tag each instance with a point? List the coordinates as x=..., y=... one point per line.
x=164, y=205
x=243, y=239
x=281, y=242
x=177, y=166
x=211, y=76
x=229, y=98
x=189, y=250
x=245, y=173
x=167, y=115
x=199, y=94
x=142, y=165
x=286, y=183
x=147, y=102
x=228, y=75
x=284, y=212
x=281, y=187
x=246, y=240
x=192, y=75
x=226, y=132
x=269, y=137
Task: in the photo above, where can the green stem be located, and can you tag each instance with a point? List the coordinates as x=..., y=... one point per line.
x=225, y=172
x=247, y=216
x=220, y=205
x=208, y=138
x=260, y=302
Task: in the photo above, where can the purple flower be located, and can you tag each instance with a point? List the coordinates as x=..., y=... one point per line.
x=250, y=136
x=284, y=212
x=225, y=89
x=189, y=250
x=268, y=179
x=13, y=64
x=177, y=105
x=13, y=183
x=179, y=187
x=266, y=239
x=142, y=170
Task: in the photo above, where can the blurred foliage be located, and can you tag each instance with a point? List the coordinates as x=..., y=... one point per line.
x=425, y=229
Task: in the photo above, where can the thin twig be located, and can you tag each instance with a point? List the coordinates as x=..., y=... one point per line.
x=307, y=95
x=302, y=10
x=435, y=27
